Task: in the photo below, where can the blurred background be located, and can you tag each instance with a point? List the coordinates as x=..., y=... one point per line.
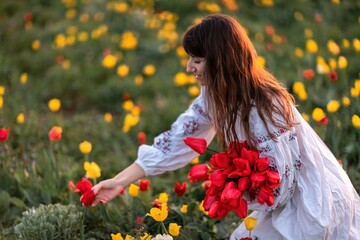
x=112, y=73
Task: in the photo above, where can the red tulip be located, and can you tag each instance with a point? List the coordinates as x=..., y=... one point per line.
x=230, y=195
x=83, y=186
x=333, y=76
x=308, y=74
x=198, y=172
x=88, y=198
x=273, y=179
x=243, y=168
x=324, y=121
x=265, y=195
x=55, y=133
x=217, y=178
x=144, y=185
x=220, y=160
x=210, y=200
x=244, y=183
x=139, y=220
x=180, y=189
x=269, y=30
x=218, y=211
x=234, y=148
x=261, y=165
x=257, y=179
x=4, y=134
x=28, y=16
x=242, y=209
x=197, y=144
x=141, y=138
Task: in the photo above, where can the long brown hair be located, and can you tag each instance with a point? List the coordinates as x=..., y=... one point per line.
x=234, y=82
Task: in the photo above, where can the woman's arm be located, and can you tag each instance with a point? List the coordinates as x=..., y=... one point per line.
x=108, y=189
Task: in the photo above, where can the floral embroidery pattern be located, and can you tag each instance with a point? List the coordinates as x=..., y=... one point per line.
x=268, y=137
x=287, y=171
x=163, y=142
x=199, y=110
x=298, y=164
x=190, y=127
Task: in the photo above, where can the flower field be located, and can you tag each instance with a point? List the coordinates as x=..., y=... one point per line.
x=83, y=83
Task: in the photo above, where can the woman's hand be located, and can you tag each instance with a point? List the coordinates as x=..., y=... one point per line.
x=106, y=191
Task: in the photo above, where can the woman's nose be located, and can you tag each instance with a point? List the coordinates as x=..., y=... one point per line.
x=190, y=68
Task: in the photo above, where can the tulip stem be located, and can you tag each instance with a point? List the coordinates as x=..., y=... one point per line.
x=163, y=225
x=211, y=150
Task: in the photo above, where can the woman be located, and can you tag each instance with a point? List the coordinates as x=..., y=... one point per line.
x=242, y=101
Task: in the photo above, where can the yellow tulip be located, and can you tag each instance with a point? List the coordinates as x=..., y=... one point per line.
x=128, y=40
x=134, y=190
x=54, y=105
x=354, y=92
x=318, y=114
x=146, y=236
x=109, y=61
x=250, y=223
x=149, y=70
x=299, y=52
x=342, y=62
x=139, y=80
x=194, y=91
x=108, y=117
x=184, y=208
x=128, y=105
x=83, y=36
x=2, y=90
x=356, y=44
x=346, y=101
x=35, y=45
x=60, y=41
x=119, y=237
x=202, y=209
x=305, y=117
x=195, y=161
x=158, y=214
x=163, y=198
x=20, y=118
x=23, y=78
x=174, y=229
x=92, y=170
x=122, y=70
x=180, y=51
x=1, y=102
x=261, y=61
x=180, y=79
x=345, y=43
x=357, y=84
x=333, y=47
x=116, y=236
x=311, y=46
x=333, y=106
x=355, y=119
x=85, y=147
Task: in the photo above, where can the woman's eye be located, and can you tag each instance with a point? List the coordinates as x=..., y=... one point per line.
x=197, y=62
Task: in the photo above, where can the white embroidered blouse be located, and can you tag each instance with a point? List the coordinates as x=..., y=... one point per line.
x=315, y=200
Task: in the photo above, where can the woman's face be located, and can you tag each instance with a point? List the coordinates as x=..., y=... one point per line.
x=196, y=65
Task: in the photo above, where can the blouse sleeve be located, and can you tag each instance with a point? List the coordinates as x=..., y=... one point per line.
x=168, y=151
x=284, y=157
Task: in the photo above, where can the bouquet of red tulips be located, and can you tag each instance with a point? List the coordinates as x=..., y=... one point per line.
x=237, y=176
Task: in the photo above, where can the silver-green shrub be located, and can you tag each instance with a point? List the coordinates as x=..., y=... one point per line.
x=53, y=221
